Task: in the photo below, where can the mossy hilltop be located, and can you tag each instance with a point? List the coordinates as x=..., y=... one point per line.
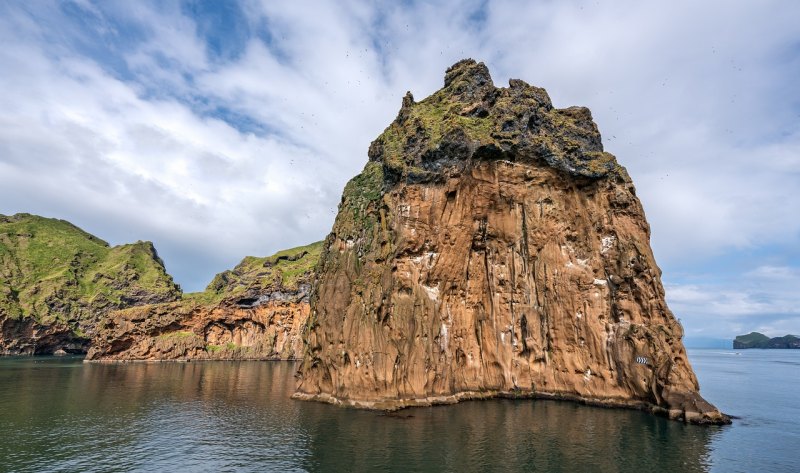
x=57, y=281
x=287, y=270
x=470, y=119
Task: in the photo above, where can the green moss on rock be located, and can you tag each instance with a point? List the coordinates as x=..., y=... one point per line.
x=470, y=118
x=285, y=270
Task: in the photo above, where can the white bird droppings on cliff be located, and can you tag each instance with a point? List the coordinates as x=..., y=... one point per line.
x=606, y=243
x=433, y=292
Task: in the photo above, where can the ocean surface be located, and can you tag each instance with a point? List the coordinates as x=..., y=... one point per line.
x=59, y=414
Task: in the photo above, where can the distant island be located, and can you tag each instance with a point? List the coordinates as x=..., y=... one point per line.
x=759, y=340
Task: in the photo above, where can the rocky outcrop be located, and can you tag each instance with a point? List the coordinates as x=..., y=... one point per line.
x=253, y=312
x=759, y=340
x=491, y=247
x=58, y=282
x=183, y=332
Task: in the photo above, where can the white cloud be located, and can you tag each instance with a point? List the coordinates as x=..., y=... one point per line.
x=697, y=99
x=765, y=299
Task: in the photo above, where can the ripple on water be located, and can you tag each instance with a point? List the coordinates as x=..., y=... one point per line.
x=66, y=416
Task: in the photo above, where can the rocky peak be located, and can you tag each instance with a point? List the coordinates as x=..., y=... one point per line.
x=468, y=80
x=470, y=119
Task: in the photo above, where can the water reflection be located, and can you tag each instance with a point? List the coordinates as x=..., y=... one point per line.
x=64, y=415
x=504, y=435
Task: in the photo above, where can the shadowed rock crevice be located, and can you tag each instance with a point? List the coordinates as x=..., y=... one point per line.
x=491, y=247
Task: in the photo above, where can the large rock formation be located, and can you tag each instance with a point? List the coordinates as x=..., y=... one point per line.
x=57, y=282
x=491, y=247
x=253, y=312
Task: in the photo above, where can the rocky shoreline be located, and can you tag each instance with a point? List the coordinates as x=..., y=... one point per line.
x=394, y=405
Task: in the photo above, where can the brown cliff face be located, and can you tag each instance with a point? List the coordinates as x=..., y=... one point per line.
x=253, y=312
x=492, y=248
x=183, y=332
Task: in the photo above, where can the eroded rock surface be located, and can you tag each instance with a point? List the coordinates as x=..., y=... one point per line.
x=253, y=312
x=491, y=247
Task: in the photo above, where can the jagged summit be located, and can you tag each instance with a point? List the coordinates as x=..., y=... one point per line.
x=471, y=119
x=467, y=79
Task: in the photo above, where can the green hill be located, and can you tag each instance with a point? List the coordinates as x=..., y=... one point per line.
x=57, y=281
x=253, y=276
x=758, y=340
x=195, y=326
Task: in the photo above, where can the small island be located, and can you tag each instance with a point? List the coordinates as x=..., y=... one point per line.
x=759, y=340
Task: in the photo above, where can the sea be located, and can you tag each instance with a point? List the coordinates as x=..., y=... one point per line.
x=58, y=414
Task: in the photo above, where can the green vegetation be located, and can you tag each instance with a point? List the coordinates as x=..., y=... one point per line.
x=508, y=123
x=758, y=340
x=53, y=271
x=176, y=335
x=360, y=198
x=228, y=347
x=286, y=269
x=428, y=122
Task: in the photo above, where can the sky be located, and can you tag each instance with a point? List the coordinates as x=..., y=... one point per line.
x=224, y=129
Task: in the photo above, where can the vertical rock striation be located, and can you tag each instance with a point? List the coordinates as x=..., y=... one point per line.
x=491, y=247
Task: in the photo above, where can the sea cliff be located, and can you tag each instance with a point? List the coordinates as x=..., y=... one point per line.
x=58, y=282
x=492, y=247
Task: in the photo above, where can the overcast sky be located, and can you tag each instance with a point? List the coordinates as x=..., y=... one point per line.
x=223, y=129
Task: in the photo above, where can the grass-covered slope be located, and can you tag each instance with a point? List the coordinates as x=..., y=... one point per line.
x=58, y=279
x=759, y=340
x=254, y=276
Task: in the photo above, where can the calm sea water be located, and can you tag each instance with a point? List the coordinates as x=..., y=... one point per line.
x=58, y=414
